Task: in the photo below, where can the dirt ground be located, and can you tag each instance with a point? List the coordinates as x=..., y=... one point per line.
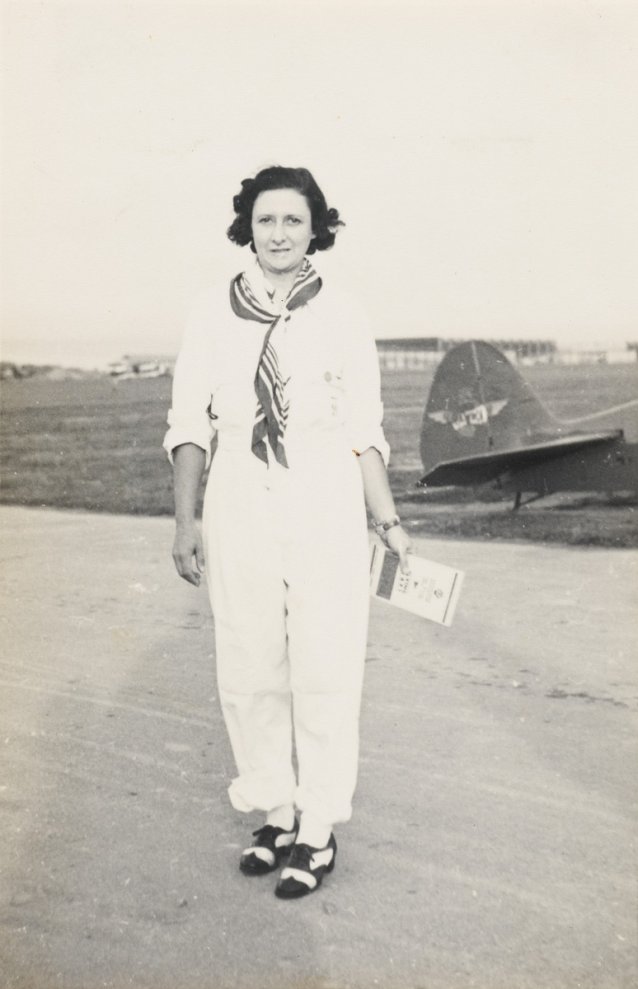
x=492, y=844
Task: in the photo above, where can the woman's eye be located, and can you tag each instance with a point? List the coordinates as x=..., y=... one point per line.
x=264, y=219
x=294, y=219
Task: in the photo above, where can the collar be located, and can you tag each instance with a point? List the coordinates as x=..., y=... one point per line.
x=259, y=283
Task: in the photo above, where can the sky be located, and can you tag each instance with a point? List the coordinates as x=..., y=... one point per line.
x=483, y=155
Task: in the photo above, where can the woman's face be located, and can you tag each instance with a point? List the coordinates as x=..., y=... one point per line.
x=282, y=230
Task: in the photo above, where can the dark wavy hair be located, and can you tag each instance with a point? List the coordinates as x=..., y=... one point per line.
x=325, y=221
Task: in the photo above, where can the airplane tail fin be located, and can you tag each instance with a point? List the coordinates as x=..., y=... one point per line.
x=480, y=404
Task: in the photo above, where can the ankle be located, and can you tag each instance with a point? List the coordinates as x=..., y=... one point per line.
x=313, y=831
x=282, y=817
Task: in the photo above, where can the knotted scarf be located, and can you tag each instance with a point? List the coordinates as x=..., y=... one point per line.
x=271, y=416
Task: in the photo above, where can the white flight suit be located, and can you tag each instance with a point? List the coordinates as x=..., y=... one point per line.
x=286, y=548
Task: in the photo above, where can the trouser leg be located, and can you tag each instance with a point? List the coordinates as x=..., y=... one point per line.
x=248, y=600
x=327, y=627
x=260, y=732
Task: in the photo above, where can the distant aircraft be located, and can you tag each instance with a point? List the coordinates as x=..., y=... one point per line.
x=483, y=423
x=128, y=368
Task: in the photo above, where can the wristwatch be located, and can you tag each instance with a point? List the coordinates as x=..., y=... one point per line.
x=382, y=527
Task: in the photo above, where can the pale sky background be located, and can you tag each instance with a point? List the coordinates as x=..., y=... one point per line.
x=484, y=156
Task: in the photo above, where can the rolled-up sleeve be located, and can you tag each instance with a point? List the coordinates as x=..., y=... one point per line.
x=188, y=417
x=363, y=389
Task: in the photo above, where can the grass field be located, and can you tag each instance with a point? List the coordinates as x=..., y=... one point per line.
x=96, y=444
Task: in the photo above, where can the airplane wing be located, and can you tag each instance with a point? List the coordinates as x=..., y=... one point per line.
x=483, y=467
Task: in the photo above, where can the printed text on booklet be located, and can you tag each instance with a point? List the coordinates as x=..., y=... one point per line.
x=430, y=589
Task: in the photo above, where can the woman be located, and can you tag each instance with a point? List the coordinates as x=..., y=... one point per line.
x=284, y=369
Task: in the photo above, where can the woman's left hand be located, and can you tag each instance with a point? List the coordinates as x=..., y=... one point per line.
x=397, y=540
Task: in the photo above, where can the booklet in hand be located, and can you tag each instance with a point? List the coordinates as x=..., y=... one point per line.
x=430, y=589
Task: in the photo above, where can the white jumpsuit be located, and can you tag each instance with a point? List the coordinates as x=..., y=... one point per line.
x=286, y=549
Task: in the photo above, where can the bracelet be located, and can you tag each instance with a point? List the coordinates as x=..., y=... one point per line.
x=382, y=527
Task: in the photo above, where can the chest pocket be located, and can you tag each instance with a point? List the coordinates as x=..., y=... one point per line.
x=317, y=384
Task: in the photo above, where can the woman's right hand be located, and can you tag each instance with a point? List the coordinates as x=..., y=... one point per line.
x=188, y=552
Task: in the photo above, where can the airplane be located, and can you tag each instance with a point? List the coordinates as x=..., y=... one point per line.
x=483, y=423
x=129, y=368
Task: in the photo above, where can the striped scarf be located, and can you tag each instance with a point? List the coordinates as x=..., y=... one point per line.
x=271, y=416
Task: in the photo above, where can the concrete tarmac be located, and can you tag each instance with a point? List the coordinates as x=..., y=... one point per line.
x=492, y=844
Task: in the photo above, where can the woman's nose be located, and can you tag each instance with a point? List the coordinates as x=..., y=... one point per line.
x=279, y=232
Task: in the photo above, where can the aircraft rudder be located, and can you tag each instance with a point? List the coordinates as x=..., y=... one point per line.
x=479, y=403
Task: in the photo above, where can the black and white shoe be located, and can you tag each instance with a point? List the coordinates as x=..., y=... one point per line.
x=265, y=854
x=305, y=869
